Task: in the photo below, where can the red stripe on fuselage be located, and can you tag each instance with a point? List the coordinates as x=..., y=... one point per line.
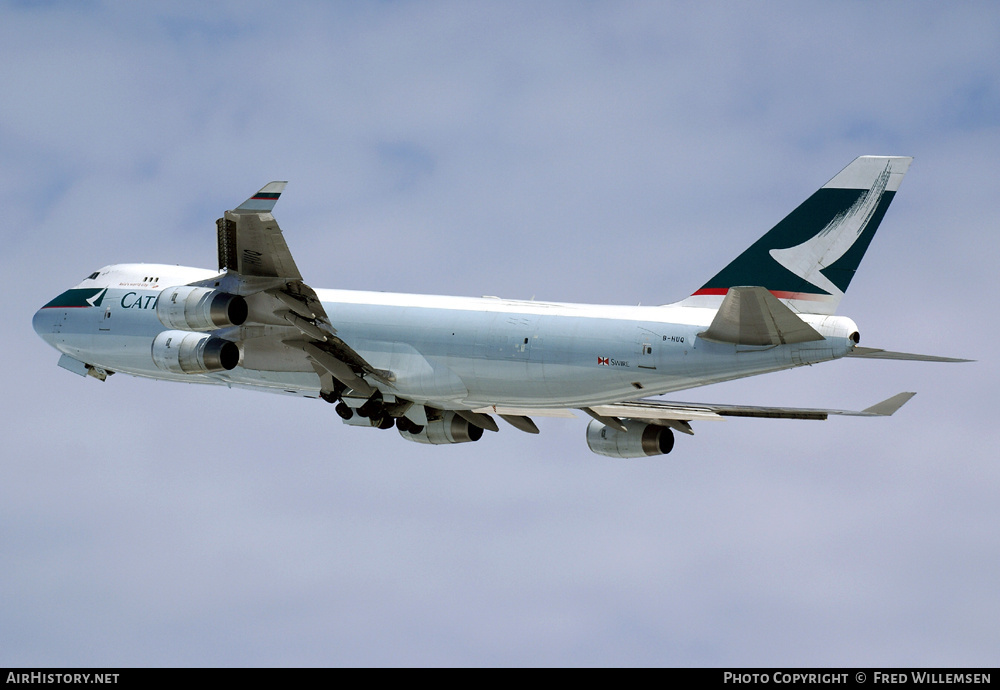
x=780, y=294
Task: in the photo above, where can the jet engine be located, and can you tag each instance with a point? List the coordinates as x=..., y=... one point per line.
x=184, y=352
x=199, y=309
x=449, y=428
x=641, y=440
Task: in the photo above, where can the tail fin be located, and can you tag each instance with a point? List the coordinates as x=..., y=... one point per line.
x=809, y=258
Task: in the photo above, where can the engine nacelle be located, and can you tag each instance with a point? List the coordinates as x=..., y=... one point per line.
x=184, y=352
x=450, y=428
x=640, y=441
x=199, y=309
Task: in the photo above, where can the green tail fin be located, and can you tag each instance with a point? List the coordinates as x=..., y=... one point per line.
x=809, y=258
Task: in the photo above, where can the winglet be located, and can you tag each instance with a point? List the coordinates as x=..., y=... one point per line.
x=888, y=407
x=264, y=200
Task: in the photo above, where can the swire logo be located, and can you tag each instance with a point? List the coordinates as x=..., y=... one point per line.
x=603, y=361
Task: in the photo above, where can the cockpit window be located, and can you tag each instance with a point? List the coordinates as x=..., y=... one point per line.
x=93, y=275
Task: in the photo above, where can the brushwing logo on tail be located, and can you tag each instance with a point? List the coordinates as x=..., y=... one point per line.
x=808, y=259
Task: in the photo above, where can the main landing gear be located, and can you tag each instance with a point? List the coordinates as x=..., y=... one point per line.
x=374, y=410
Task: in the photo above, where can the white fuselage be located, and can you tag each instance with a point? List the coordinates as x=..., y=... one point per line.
x=451, y=352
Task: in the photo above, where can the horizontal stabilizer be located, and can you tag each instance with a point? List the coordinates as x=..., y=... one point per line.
x=753, y=316
x=875, y=353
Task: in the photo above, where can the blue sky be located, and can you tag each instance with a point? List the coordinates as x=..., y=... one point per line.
x=591, y=152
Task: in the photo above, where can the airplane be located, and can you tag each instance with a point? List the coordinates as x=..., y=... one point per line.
x=439, y=368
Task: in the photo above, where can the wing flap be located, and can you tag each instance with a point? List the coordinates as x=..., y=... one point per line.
x=519, y=422
x=658, y=410
x=480, y=419
x=526, y=411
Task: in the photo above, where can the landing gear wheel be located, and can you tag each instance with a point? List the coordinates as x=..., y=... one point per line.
x=344, y=411
x=372, y=407
x=410, y=427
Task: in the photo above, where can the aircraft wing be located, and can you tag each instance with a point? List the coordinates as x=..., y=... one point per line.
x=678, y=414
x=258, y=265
x=250, y=241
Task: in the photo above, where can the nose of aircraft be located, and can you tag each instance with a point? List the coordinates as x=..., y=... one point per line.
x=43, y=322
x=48, y=321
